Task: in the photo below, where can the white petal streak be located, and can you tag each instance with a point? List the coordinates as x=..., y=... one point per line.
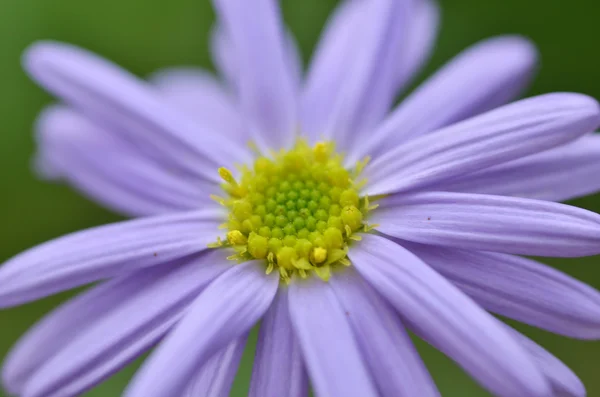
x=330, y=351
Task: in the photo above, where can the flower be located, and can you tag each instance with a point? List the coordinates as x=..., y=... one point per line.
x=340, y=226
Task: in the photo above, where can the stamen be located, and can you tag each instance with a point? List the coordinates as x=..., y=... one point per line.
x=298, y=210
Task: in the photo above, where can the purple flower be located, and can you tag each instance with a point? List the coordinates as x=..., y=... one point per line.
x=419, y=225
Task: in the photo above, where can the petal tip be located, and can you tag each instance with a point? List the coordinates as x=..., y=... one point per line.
x=576, y=100
x=10, y=378
x=38, y=54
x=586, y=106
x=516, y=50
x=574, y=388
x=516, y=42
x=570, y=106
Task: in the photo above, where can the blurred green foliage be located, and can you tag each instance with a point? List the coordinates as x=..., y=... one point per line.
x=144, y=35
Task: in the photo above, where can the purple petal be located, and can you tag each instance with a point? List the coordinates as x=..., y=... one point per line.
x=422, y=32
x=224, y=57
x=507, y=133
x=223, y=312
x=326, y=73
x=60, y=327
x=204, y=98
x=484, y=76
x=563, y=381
x=104, y=252
x=520, y=288
x=278, y=368
x=267, y=91
x=216, y=376
x=369, y=91
x=364, y=88
x=560, y=174
x=120, y=102
x=491, y=223
x=337, y=49
x=448, y=319
x=223, y=54
x=294, y=59
x=110, y=171
x=331, y=354
x=394, y=363
x=111, y=336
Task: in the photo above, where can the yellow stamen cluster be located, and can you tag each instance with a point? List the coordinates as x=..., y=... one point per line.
x=298, y=210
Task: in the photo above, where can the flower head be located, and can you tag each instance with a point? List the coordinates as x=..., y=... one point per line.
x=298, y=210
x=338, y=226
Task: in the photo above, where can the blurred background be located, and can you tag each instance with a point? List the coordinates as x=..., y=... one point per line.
x=144, y=35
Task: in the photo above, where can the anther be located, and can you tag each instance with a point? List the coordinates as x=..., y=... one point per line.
x=298, y=210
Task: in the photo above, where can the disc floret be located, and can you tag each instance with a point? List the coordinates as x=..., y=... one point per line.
x=298, y=210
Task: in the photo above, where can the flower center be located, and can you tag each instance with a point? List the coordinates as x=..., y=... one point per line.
x=298, y=210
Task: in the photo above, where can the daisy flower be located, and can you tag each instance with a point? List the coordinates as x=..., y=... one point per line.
x=308, y=204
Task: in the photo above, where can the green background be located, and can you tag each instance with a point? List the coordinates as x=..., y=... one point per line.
x=144, y=35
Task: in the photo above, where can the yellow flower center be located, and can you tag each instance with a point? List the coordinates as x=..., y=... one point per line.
x=298, y=210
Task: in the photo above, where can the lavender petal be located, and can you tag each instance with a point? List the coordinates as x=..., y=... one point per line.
x=395, y=365
x=119, y=334
x=216, y=376
x=451, y=321
x=331, y=354
x=366, y=81
x=563, y=381
x=120, y=102
x=369, y=92
x=326, y=73
x=223, y=312
x=336, y=49
x=490, y=223
x=422, y=33
x=267, y=92
x=72, y=148
x=520, y=288
x=204, y=99
x=104, y=252
x=57, y=329
x=559, y=174
x=508, y=133
x=482, y=77
x=278, y=367
x=224, y=56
